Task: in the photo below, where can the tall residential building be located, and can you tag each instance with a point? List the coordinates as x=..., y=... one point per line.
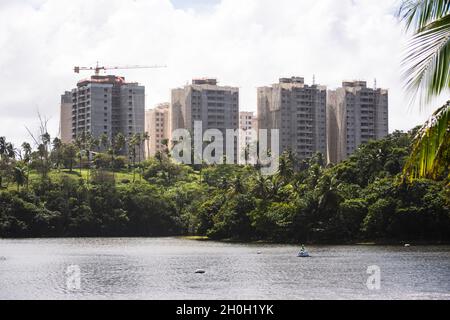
x=247, y=125
x=298, y=110
x=157, y=125
x=217, y=107
x=356, y=114
x=65, y=120
x=108, y=105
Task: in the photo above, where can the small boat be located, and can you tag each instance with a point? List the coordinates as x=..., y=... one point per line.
x=200, y=271
x=303, y=254
x=407, y=245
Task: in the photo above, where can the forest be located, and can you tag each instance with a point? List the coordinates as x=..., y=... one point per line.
x=87, y=189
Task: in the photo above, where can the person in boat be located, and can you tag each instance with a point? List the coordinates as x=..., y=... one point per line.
x=303, y=248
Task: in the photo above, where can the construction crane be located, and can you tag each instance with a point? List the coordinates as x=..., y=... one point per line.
x=98, y=68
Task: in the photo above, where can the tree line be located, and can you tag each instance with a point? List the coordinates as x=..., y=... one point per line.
x=90, y=189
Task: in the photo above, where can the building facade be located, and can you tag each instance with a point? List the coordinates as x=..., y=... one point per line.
x=65, y=120
x=247, y=129
x=216, y=107
x=356, y=115
x=107, y=105
x=298, y=110
x=157, y=125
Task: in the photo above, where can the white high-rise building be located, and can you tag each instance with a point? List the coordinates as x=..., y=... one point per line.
x=157, y=125
x=298, y=110
x=356, y=115
x=216, y=107
x=107, y=105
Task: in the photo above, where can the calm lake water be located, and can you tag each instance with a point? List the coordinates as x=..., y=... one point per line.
x=165, y=269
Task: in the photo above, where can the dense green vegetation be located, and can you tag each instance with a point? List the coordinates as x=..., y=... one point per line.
x=56, y=191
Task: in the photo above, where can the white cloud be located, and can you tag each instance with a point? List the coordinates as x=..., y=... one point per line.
x=244, y=43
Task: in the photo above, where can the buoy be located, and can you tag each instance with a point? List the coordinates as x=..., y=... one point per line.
x=200, y=271
x=259, y=252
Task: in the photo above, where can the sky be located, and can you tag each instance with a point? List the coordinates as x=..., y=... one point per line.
x=246, y=44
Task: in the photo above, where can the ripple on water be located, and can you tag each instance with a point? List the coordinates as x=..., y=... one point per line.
x=165, y=269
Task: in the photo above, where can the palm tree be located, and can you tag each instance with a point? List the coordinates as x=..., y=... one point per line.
x=117, y=144
x=8, y=153
x=133, y=143
x=69, y=154
x=146, y=137
x=139, y=143
x=260, y=188
x=427, y=75
x=165, y=143
x=11, y=152
x=57, y=152
x=237, y=186
x=3, y=144
x=286, y=167
x=89, y=146
x=431, y=149
x=79, y=143
x=104, y=141
x=42, y=153
x=19, y=177
x=26, y=147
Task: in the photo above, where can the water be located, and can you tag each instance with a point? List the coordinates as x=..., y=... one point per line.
x=165, y=269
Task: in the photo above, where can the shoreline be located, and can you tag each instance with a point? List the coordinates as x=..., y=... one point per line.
x=257, y=242
x=319, y=243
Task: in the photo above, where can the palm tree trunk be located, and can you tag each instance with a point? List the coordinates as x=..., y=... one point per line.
x=81, y=172
x=28, y=177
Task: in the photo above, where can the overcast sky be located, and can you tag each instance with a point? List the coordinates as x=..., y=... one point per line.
x=244, y=43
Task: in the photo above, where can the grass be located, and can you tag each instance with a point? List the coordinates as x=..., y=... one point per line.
x=76, y=174
x=196, y=238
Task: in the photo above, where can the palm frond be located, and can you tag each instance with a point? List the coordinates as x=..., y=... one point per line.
x=417, y=14
x=427, y=62
x=430, y=157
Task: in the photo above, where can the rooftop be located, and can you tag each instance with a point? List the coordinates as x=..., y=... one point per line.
x=108, y=79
